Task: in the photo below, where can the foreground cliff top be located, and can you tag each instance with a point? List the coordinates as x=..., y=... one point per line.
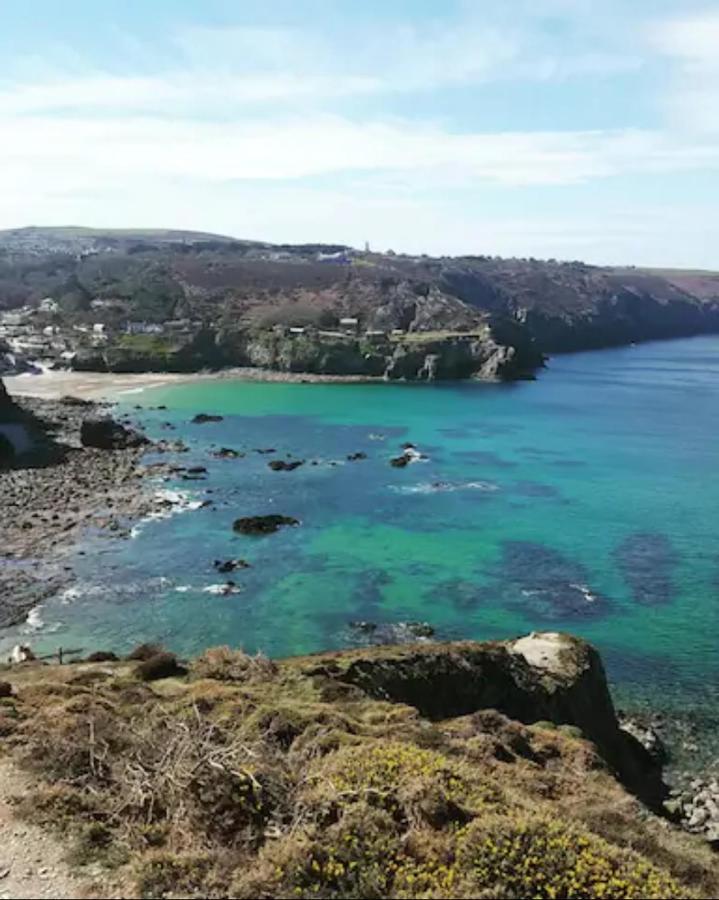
x=460, y=770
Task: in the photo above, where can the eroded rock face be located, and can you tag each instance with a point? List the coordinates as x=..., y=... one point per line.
x=544, y=676
x=5, y=401
x=107, y=434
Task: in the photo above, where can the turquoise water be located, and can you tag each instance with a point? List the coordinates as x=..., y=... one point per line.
x=586, y=500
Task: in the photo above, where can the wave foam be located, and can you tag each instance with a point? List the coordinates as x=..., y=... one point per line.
x=438, y=487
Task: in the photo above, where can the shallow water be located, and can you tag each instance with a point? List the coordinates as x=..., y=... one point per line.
x=584, y=501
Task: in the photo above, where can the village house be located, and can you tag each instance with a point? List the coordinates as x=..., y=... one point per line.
x=143, y=328
x=349, y=324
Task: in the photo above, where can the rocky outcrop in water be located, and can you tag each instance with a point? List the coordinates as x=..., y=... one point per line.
x=259, y=525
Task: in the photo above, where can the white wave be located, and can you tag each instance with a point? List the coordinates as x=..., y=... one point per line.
x=34, y=621
x=69, y=595
x=183, y=588
x=221, y=589
x=173, y=502
x=414, y=456
x=135, y=390
x=584, y=590
x=439, y=487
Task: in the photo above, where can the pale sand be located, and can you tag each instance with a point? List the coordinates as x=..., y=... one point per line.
x=86, y=385
x=52, y=385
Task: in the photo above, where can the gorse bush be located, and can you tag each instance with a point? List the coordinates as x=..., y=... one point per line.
x=533, y=857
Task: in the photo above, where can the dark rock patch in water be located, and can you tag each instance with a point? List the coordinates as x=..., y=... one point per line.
x=485, y=458
x=463, y=595
x=456, y=432
x=367, y=632
x=568, y=463
x=535, y=489
x=647, y=561
x=545, y=585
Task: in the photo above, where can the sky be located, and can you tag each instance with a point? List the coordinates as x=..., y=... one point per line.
x=550, y=128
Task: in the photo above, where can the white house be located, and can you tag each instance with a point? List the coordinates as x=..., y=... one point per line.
x=48, y=305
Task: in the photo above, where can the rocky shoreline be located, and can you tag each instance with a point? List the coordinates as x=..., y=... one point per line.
x=59, y=492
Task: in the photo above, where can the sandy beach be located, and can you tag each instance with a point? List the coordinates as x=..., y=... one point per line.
x=97, y=386
x=87, y=385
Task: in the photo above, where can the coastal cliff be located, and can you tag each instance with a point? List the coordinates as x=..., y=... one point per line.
x=137, y=302
x=431, y=770
x=426, y=356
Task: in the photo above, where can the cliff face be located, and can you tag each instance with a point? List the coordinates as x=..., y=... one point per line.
x=6, y=403
x=547, y=676
x=232, y=291
x=437, y=771
x=8, y=427
x=416, y=357
x=572, y=306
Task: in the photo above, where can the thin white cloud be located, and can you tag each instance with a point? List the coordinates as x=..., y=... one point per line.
x=692, y=44
x=219, y=71
x=68, y=153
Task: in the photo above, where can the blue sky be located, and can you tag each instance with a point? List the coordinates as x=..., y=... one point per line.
x=555, y=128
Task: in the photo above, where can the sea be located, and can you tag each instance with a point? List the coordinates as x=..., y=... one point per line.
x=584, y=501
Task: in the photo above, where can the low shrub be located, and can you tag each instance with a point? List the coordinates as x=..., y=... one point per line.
x=225, y=664
x=161, y=665
x=517, y=857
x=159, y=873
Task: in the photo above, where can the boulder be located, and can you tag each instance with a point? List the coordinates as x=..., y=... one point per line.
x=353, y=457
x=281, y=465
x=227, y=453
x=5, y=689
x=107, y=434
x=262, y=524
x=201, y=418
x=229, y=565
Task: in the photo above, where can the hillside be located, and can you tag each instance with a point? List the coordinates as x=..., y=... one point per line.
x=211, y=298
x=459, y=770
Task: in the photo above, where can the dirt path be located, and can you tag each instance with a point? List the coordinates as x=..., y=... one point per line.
x=31, y=860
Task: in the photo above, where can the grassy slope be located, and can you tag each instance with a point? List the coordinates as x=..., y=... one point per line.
x=247, y=778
